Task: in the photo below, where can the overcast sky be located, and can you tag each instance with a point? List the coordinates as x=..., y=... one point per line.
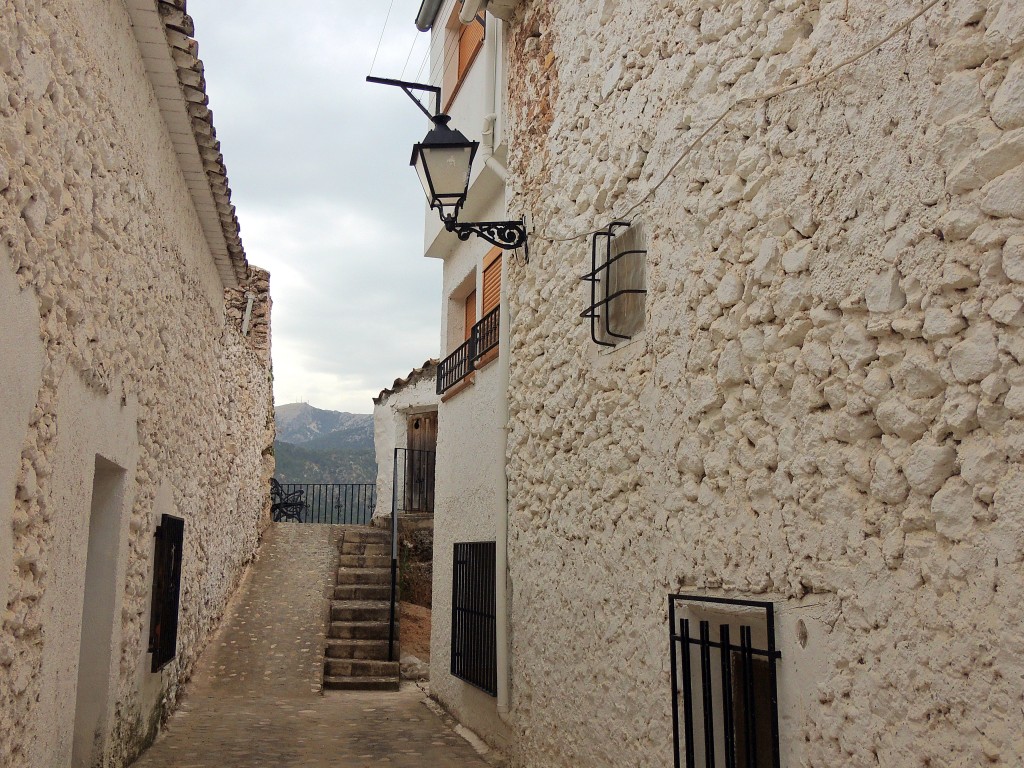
x=318, y=162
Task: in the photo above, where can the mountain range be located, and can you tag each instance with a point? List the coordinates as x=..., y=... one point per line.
x=314, y=445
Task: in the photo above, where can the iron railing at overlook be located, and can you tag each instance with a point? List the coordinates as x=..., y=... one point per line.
x=332, y=503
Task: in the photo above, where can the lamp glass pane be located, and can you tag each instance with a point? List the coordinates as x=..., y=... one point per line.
x=449, y=170
x=422, y=173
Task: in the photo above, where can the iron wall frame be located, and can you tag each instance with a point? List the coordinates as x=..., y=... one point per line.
x=599, y=307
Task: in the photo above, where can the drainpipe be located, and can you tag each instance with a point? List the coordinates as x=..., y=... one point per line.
x=470, y=9
x=427, y=14
x=493, y=40
x=501, y=534
x=490, y=129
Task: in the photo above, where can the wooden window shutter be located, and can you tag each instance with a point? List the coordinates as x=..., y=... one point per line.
x=470, y=313
x=163, y=623
x=471, y=37
x=492, y=284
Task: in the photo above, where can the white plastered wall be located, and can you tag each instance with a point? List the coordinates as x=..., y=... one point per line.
x=390, y=431
x=89, y=425
x=469, y=492
x=21, y=371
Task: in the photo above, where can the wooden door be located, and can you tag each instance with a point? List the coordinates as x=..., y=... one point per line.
x=419, y=465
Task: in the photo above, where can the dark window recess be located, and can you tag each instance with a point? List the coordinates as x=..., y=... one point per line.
x=618, y=283
x=474, y=631
x=163, y=625
x=725, y=708
x=462, y=362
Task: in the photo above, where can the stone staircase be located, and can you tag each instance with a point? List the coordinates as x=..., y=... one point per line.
x=357, y=639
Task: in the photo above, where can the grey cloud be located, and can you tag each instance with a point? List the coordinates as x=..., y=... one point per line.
x=318, y=164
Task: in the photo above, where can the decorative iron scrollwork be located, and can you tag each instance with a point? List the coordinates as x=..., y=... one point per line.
x=507, y=235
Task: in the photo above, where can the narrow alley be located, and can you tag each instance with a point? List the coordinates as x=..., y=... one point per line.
x=255, y=699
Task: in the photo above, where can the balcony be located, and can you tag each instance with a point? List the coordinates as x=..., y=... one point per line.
x=463, y=361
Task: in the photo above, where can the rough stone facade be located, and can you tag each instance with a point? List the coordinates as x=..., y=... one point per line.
x=120, y=328
x=826, y=407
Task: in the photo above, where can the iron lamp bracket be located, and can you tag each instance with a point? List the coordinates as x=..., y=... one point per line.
x=507, y=235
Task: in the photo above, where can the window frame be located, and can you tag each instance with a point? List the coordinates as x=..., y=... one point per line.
x=456, y=68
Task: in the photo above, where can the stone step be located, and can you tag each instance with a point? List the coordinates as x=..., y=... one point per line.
x=367, y=536
x=364, y=548
x=364, y=561
x=360, y=668
x=361, y=630
x=364, y=576
x=363, y=591
x=361, y=610
x=347, y=648
x=361, y=683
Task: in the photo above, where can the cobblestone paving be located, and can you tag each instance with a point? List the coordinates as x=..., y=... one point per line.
x=255, y=699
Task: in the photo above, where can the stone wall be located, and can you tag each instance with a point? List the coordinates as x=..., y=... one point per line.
x=826, y=408
x=142, y=369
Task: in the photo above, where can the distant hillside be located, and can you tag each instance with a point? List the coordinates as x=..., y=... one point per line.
x=298, y=464
x=319, y=446
x=300, y=423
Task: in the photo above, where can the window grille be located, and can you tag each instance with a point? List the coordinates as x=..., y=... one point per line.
x=725, y=709
x=474, y=628
x=618, y=283
x=163, y=624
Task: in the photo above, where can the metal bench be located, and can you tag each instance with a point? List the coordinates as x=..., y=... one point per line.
x=285, y=505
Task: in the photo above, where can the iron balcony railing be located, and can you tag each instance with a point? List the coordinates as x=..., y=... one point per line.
x=486, y=333
x=457, y=366
x=462, y=362
x=330, y=503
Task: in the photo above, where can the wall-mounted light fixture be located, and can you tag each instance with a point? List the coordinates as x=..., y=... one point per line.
x=444, y=160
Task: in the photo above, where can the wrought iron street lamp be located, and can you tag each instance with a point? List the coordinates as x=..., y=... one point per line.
x=444, y=160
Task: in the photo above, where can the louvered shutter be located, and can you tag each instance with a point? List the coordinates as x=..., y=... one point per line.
x=492, y=285
x=471, y=37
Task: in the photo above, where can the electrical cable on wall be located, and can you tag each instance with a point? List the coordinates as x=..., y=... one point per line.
x=764, y=96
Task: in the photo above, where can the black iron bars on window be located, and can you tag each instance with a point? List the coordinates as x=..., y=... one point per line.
x=734, y=712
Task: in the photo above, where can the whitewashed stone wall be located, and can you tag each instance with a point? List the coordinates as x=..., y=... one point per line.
x=826, y=408
x=140, y=360
x=417, y=393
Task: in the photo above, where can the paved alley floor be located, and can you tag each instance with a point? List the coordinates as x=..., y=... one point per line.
x=255, y=699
